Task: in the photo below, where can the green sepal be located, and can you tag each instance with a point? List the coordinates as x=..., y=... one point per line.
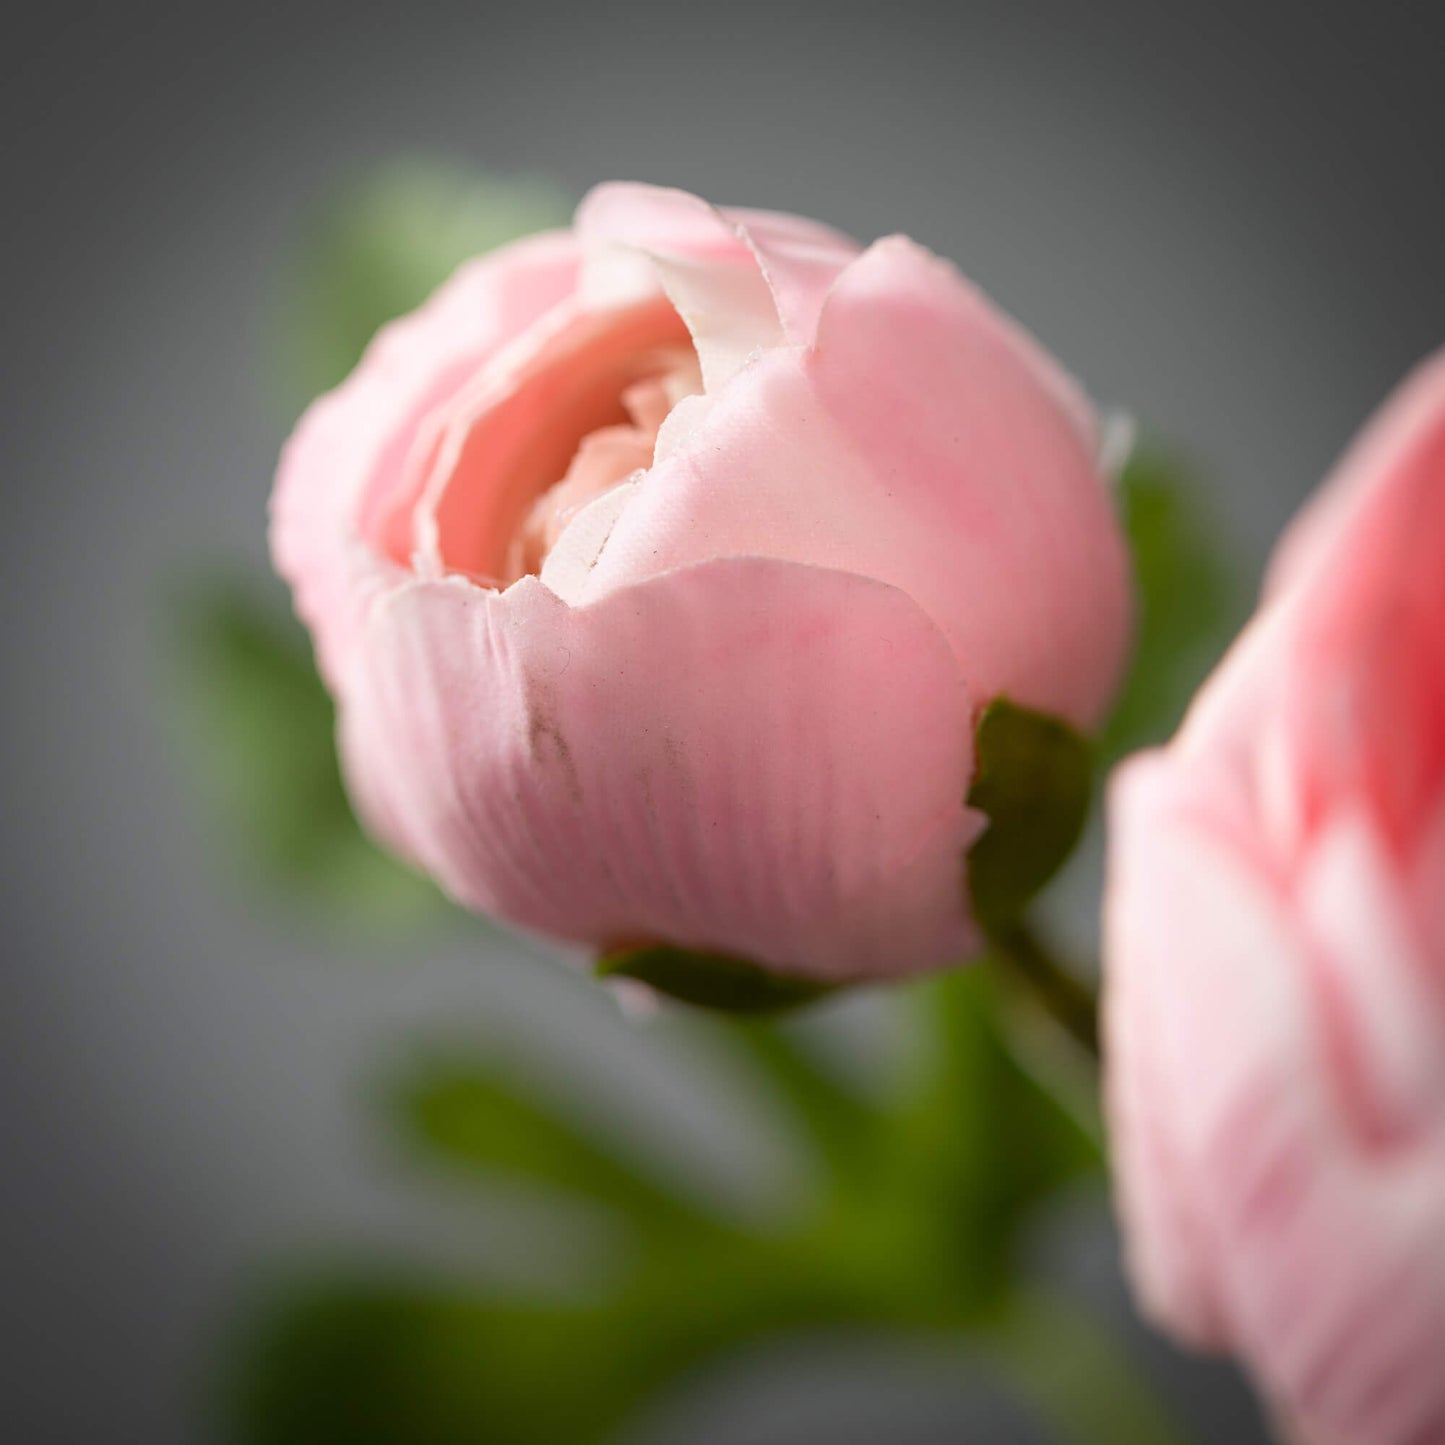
x=711, y=980
x=1032, y=781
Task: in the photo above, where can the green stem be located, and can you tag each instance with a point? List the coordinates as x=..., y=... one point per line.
x=1062, y=994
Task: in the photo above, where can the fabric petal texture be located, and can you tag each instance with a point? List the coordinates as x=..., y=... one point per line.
x=655, y=767
x=787, y=264
x=925, y=442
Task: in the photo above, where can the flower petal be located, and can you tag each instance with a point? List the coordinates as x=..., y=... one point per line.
x=1365, y=706
x=638, y=236
x=925, y=442
x=338, y=490
x=744, y=281
x=1380, y=986
x=1405, y=427
x=749, y=756
x=800, y=261
x=514, y=431
x=1164, y=875
x=1256, y=1215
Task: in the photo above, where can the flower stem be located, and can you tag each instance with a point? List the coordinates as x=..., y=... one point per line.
x=1055, y=987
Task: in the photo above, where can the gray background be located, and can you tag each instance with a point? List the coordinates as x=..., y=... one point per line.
x=1228, y=217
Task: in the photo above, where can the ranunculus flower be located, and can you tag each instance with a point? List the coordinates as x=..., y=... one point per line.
x=661, y=568
x=1275, y=968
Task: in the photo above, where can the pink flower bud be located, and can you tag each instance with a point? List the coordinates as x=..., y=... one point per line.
x=661, y=568
x=1275, y=936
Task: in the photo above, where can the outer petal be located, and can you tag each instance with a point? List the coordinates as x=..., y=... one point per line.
x=800, y=260
x=925, y=442
x=341, y=473
x=744, y=281
x=1365, y=709
x=1408, y=425
x=1380, y=981
x=712, y=759
x=1258, y=1215
x=1333, y=698
x=1158, y=900
x=1234, y=743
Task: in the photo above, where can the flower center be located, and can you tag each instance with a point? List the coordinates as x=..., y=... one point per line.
x=607, y=457
x=540, y=434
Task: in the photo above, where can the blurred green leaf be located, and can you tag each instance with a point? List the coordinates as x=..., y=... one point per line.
x=843, y=1128
x=262, y=732
x=984, y=1141
x=711, y=980
x=1076, y=1375
x=376, y=1362
x=923, y=1242
x=466, y=1112
x=372, y=1361
x=1188, y=599
x=381, y=245
x=1033, y=781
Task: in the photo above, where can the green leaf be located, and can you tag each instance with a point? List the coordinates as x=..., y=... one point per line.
x=711, y=980
x=1188, y=600
x=466, y=1112
x=1033, y=781
x=383, y=244
x=260, y=729
x=405, y=1361
x=376, y=1361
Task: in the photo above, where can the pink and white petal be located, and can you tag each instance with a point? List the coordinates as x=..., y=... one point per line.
x=1277, y=1231
x=514, y=431
x=1379, y=987
x=570, y=562
x=1338, y=1280
x=1233, y=735
x=1409, y=425
x=1152, y=909
x=635, y=236
x=926, y=443
x=618, y=219
x=333, y=531
x=800, y=261
x=744, y=281
x=1427, y=896
x=372, y=789
x=710, y=759
x=1365, y=707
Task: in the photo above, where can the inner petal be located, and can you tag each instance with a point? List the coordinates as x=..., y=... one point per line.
x=509, y=463
x=605, y=458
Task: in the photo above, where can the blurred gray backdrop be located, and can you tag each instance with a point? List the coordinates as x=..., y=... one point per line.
x=1227, y=217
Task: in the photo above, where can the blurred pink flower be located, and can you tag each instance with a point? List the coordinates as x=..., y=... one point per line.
x=660, y=568
x=1275, y=967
